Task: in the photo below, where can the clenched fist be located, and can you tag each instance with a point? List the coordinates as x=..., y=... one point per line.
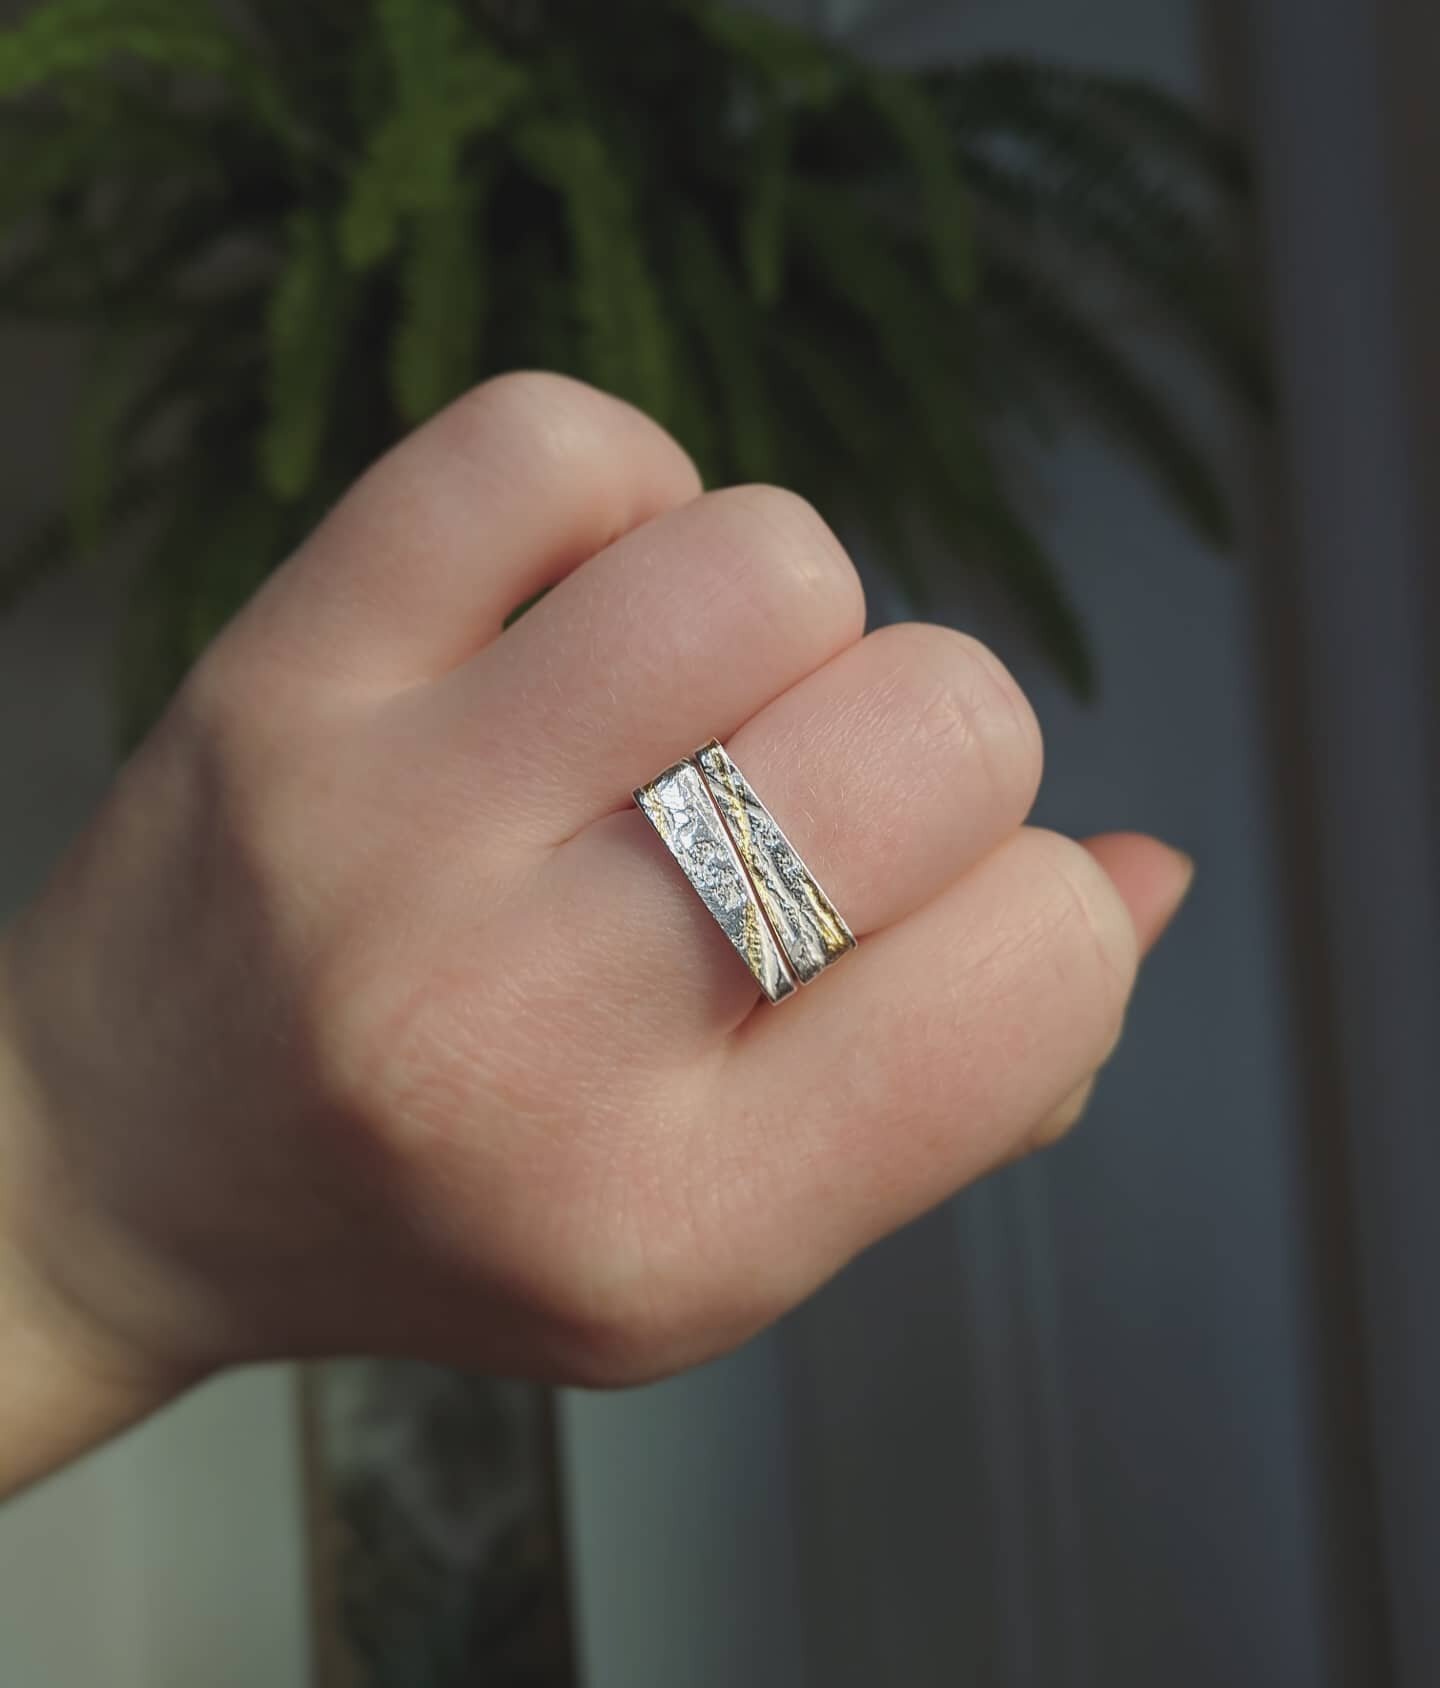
x=370, y=1015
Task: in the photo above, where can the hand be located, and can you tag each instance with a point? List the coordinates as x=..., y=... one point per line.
x=369, y=1015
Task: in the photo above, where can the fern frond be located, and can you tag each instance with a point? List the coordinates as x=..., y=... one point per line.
x=306, y=335
x=99, y=430
x=1191, y=288
x=449, y=88
x=696, y=411
x=625, y=344
x=321, y=221
x=1065, y=155
x=846, y=419
x=1029, y=96
x=874, y=281
x=762, y=225
x=981, y=528
x=442, y=282
x=1024, y=563
x=799, y=67
x=1163, y=120
x=1066, y=350
x=911, y=117
x=42, y=159
x=65, y=38
x=721, y=323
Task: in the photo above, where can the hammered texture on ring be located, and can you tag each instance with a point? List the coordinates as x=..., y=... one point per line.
x=745, y=870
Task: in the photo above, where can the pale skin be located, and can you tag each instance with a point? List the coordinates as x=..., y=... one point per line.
x=369, y=1015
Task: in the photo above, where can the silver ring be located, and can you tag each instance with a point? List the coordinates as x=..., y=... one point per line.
x=745, y=870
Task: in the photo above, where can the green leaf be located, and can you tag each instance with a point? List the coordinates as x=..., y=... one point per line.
x=799, y=66
x=1165, y=266
x=723, y=324
x=68, y=38
x=984, y=528
x=762, y=227
x=449, y=88
x=844, y=417
x=920, y=131
x=115, y=378
x=307, y=330
x=442, y=281
x=916, y=333
x=625, y=342
x=44, y=157
x=1071, y=353
x=1073, y=160
x=1025, y=564
x=1164, y=121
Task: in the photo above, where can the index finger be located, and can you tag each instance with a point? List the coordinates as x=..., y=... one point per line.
x=500, y=495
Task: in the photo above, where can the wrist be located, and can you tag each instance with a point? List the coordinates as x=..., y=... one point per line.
x=66, y=1380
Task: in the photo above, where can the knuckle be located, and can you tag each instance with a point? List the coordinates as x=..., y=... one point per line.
x=212, y=701
x=525, y=392
x=245, y=708
x=607, y=1342
x=965, y=690
x=962, y=703
x=565, y=434
x=1011, y=730
x=499, y=409
x=639, y=1286
x=556, y=415
x=933, y=665
x=610, y=1317
x=626, y=1332
x=797, y=561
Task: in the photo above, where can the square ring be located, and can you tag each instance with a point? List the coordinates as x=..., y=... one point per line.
x=745, y=870
x=807, y=923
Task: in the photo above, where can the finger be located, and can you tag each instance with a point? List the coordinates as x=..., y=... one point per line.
x=498, y=496
x=1153, y=883
x=892, y=769
x=678, y=632
x=855, y=1107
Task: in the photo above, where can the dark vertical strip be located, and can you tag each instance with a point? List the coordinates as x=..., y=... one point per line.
x=1355, y=1598
x=331, y=1663
x=1410, y=64
x=562, y=1638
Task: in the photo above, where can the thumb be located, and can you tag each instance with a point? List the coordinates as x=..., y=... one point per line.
x=1151, y=877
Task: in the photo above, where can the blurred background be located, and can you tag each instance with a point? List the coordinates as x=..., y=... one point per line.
x=1145, y=288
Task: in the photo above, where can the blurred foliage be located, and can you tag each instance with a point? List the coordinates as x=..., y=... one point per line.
x=297, y=230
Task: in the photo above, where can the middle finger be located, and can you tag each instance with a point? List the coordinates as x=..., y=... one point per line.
x=679, y=631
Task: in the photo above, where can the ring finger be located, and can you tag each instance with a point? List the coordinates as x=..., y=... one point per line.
x=892, y=768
